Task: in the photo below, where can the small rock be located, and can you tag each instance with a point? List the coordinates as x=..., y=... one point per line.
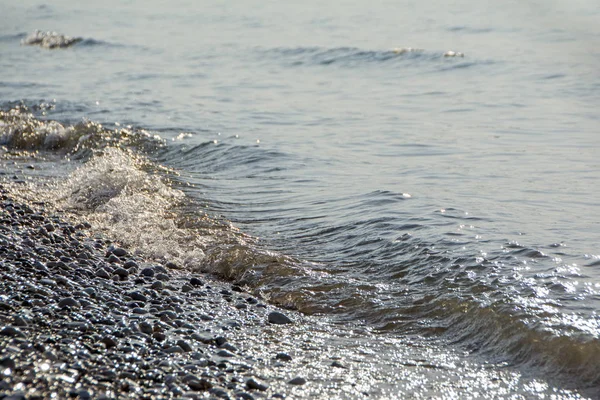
x=196, y=282
x=199, y=384
x=220, y=341
x=254, y=384
x=109, y=341
x=162, y=277
x=137, y=296
x=173, y=349
x=119, y=252
x=225, y=353
x=278, y=318
x=113, y=259
x=283, y=357
x=146, y=327
x=172, y=265
x=122, y=272
x=184, y=345
x=149, y=272
x=11, y=331
x=186, y=288
x=69, y=302
x=338, y=364
x=157, y=285
x=102, y=273
x=297, y=381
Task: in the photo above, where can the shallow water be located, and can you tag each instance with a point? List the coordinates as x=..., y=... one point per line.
x=421, y=196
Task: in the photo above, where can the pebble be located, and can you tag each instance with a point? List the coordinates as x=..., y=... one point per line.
x=69, y=302
x=119, y=252
x=297, y=381
x=109, y=341
x=162, y=277
x=138, y=296
x=199, y=384
x=278, y=318
x=196, y=282
x=257, y=385
x=122, y=272
x=184, y=345
x=102, y=273
x=146, y=327
x=149, y=272
x=283, y=357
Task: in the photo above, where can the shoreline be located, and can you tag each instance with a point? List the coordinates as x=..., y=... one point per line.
x=83, y=318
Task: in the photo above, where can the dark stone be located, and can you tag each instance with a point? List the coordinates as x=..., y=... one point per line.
x=113, y=259
x=172, y=265
x=283, y=357
x=146, y=327
x=119, y=252
x=109, y=341
x=157, y=285
x=199, y=384
x=162, y=277
x=137, y=296
x=297, y=381
x=122, y=273
x=196, y=282
x=149, y=272
x=102, y=273
x=184, y=345
x=69, y=302
x=278, y=318
x=256, y=385
x=225, y=353
x=203, y=337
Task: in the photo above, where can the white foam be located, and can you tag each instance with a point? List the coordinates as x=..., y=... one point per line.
x=132, y=207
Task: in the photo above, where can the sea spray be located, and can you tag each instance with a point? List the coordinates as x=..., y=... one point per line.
x=132, y=206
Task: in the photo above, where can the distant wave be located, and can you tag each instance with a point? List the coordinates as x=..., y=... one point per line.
x=54, y=40
x=350, y=56
x=50, y=40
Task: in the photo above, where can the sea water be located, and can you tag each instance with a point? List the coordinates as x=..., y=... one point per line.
x=427, y=172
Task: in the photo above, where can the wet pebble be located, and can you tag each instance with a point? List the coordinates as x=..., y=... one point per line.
x=256, y=385
x=69, y=302
x=297, y=381
x=278, y=318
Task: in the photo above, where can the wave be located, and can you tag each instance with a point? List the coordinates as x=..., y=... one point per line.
x=399, y=281
x=356, y=57
x=50, y=40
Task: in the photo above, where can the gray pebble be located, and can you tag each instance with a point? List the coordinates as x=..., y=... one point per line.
x=11, y=331
x=283, y=357
x=257, y=385
x=69, y=302
x=297, y=381
x=149, y=272
x=162, y=277
x=225, y=353
x=122, y=272
x=173, y=349
x=146, y=327
x=196, y=282
x=102, y=273
x=119, y=252
x=184, y=345
x=138, y=296
x=199, y=384
x=157, y=285
x=278, y=318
